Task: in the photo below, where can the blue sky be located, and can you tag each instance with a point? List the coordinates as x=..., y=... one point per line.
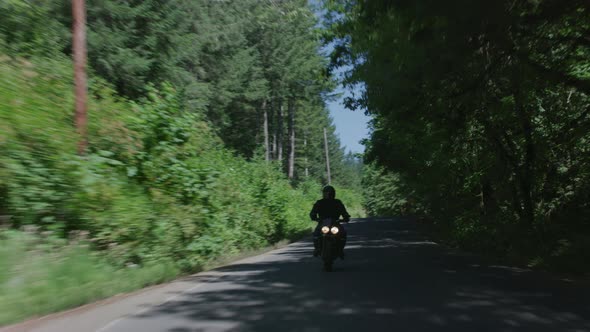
x=351, y=126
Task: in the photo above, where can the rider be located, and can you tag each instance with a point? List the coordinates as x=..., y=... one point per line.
x=328, y=207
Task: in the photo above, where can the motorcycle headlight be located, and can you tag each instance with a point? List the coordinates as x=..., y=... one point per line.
x=325, y=229
x=334, y=230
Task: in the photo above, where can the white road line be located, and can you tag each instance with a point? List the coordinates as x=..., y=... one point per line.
x=139, y=312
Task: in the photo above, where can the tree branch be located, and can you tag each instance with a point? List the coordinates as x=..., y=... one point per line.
x=557, y=76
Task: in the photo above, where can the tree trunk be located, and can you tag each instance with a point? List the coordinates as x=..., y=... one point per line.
x=265, y=126
x=79, y=50
x=306, y=153
x=273, y=150
x=327, y=156
x=528, y=166
x=291, y=171
x=280, y=132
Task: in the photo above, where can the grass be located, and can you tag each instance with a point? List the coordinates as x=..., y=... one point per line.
x=35, y=280
x=38, y=278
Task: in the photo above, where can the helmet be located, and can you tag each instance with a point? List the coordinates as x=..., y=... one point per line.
x=330, y=191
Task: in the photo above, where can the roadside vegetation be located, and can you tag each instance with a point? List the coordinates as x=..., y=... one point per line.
x=177, y=174
x=481, y=119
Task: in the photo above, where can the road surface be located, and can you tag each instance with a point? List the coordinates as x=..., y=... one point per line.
x=392, y=279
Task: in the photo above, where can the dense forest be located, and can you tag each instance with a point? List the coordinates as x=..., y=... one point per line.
x=206, y=133
x=252, y=69
x=205, y=140
x=481, y=119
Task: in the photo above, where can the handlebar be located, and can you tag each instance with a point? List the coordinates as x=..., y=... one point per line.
x=338, y=221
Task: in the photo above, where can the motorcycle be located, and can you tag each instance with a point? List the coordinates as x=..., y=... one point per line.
x=331, y=244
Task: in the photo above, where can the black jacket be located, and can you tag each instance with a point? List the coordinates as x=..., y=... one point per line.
x=328, y=208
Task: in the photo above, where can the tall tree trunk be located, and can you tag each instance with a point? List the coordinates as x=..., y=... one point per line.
x=327, y=156
x=527, y=168
x=265, y=126
x=273, y=150
x=79, y=50
x=291, y=171
x=280, y=132
x=306, y=153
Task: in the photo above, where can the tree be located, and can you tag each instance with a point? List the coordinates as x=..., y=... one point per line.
x=251, y=68
x=477, y=110
x=79, y=50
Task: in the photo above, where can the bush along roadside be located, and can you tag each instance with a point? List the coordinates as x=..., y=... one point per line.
x=157, y=195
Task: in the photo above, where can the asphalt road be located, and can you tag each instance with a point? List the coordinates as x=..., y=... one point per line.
x=392, y=279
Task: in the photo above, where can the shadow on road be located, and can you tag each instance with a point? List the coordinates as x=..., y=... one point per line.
x=391, y=280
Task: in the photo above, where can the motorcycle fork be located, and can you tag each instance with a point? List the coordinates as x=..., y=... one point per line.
x=327, y=246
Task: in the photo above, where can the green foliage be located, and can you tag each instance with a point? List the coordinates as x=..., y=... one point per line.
x=174, y=105
x=225, y=58
x=353, y=200
x=39, y=275
x=480, y=115
x=158, y=183
x=383, y=194
x=28, y=28
x=157, y=187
